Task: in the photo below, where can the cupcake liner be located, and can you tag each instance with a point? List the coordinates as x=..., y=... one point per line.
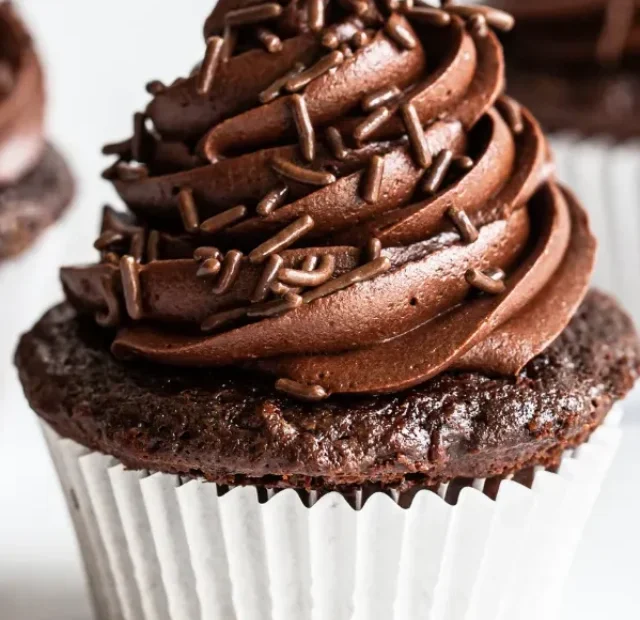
x=157, y=547
x=605, y=175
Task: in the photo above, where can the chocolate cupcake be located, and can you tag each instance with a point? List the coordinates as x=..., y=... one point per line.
x=35, y=183
x=576, y=64
x=339, y=354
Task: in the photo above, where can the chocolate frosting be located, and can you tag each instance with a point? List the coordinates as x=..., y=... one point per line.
x=418, y=226
x=21, y=99
x=575, y=31
x=575, y=63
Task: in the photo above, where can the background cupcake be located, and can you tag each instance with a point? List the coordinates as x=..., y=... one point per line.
x=351, y=274
x=35, y=184
x=35, y=188
x=575, y=64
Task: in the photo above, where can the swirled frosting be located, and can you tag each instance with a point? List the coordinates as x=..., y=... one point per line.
x=21, y=99
x=340, y=195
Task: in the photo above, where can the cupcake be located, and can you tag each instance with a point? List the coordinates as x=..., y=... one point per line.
x=574, y=63
x=339, y=356
x=35, y=183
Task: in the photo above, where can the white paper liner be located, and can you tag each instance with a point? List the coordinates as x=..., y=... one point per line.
x=605, y=175
x=159, y=548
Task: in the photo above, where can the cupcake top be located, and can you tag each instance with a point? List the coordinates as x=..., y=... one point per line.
x=341, y=197
x=575, y=63
x=21, y=99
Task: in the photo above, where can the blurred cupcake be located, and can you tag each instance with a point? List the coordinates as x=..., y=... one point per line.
x=339, y=358
x=35, y=183
x=576, y=65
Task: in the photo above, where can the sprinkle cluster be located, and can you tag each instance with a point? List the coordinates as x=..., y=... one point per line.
x=281, y=288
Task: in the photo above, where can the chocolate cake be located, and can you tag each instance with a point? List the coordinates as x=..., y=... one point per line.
x=346, y=261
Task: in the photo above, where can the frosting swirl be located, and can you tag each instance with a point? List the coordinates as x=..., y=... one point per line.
x=21, y=99
x=340, y=195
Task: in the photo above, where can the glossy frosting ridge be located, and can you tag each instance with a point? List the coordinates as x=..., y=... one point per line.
x=340, y=195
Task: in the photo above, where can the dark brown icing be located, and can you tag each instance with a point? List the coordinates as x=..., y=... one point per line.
x=575, y=63
x=21, y=99
x=386, y=286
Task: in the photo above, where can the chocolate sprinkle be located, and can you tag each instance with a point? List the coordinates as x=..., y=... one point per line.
x=206, y=252
x=267, y=278
x=139, y=133
x=302, y=175
x=222, y=220
x=110, y=318
x=330, y=39
x=272, y=42
x=296, y=277
x=429, y=15
x=291, y=301
x=272, y=201
x=396, y=27
x=306, y=134
x=478, y=25
x=107, y=239
x=118, y=148
x=253, y=14
x=416, y=135
x=347, y=52
x=435, y=175
x=212, y=59
x=336, y=144
x=221, y=319
x=273, y=91
x=277, y=288
x=490, y=281
x=331, y=60
x=359, y=274
x=316, y=15
x=130, y=274
x=464, y=162
x=360, y=39
x=370, y=124
x=312, y=393
x=512, y=113
x=373, y=179
x=155, y=87
x=230, y=37
x=501, y=20
x=374, y=248
x=188, y=210
x=138, y=243
x=285, y=238
x=229, y=272
x=130, y=173
x=209, y=268
x=380, y=97
x=467, y=230
x=153, y=246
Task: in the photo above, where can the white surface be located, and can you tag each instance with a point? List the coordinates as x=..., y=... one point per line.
x=99, y=56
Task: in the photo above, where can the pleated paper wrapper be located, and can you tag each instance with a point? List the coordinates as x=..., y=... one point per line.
x=157, y=547
x=605, y=175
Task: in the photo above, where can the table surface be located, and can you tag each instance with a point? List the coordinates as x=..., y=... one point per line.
x=99, y=55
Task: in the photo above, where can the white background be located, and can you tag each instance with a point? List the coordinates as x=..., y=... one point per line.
x=99, y=55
